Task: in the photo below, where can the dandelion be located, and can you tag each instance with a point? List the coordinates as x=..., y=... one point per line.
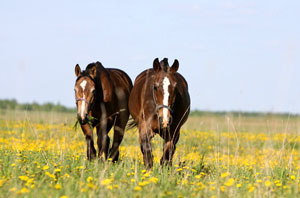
x=64, y=196
x=144, y=183
x=229, y=182
x=153, y=180
x=268, y=183
x=89, y=179
x=57, y=186
x=225, y=174
x=137, y=188
x=23, y=178
x=23, y=191
x=106, y=182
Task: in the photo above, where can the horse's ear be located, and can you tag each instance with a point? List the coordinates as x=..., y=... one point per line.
x=93, y=72
x=106, y=83
x=156, y=65
x=77, y=70
x=175, y=66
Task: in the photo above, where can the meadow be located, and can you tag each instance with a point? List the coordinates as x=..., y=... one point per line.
x=42, y=155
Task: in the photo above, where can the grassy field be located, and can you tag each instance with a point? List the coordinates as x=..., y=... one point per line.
x=41, y=155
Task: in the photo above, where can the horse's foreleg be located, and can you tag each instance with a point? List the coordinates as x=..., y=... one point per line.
x=169, y=149
x=145, y=141
x=88, y=132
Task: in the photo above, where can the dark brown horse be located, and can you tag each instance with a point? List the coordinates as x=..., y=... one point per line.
x=159, y=103
x=102, y=102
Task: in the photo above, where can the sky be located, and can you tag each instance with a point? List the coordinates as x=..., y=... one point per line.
x=235, y=55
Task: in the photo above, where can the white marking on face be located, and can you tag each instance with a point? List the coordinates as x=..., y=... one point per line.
x=166, y=83
x=83, y=84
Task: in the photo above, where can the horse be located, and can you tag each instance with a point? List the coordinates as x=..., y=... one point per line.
x=101, y=96
x=159, y=103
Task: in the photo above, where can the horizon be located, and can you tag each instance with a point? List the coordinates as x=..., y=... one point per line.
x=235, y=55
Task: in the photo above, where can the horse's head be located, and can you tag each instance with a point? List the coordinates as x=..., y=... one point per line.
x=164, y=90
x=84, y=92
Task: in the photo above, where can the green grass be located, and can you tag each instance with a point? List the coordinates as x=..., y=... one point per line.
x=41, y=155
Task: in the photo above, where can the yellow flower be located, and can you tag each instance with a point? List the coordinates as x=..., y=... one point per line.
x=144, y=183
x=12, y=189
x=153, y=180
x=57, y=186
x=23, y=191
x=251, y=188
x=106, y=182
x=137, y=188
x=239, y=185
x=225, y=174
x=64, y=196
x=45, y=167
x=222, y=188
x=229, y=182
x=268, y=183
x=178, y=169
x=89, y=179
x=23, y=178
x=57, y=170
x=110, y=187
x=293, y=177
x=13, y=165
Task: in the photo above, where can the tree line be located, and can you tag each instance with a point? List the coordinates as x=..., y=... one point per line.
x=12, y=104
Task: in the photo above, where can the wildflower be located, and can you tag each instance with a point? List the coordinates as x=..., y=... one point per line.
x=225, y=174
x=57, y=170
x=110, y=187
x=229, y=182
x=12, y=189
x=106, y=182
x=45, y=167
x=153, y=180
x=178, y=169
x=132, y=180
x=222, y=188
x=23, y=178
x=268, y=183
x=64, y=196
x=57, y=186
x=144, y=183
x=293, y=177
x=239, y=185
x=13, y=165
x=251, y=188
x=89, y=179
x=23, y=191
x=137, y=188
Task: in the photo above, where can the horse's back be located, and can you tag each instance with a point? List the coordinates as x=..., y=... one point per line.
x=120, y=79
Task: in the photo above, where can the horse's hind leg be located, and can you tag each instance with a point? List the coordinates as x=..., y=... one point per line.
x=88, y=132
x=103, y=139
x=119, y=130
x=169, y=148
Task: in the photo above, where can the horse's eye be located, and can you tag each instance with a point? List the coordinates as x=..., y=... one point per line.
x=155, y=87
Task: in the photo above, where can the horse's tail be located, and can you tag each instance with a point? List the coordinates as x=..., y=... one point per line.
x=131, y=124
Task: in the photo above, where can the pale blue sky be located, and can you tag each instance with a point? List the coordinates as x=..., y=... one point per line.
x=235, y=55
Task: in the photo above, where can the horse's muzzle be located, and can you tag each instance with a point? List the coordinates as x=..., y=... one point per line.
x=82, y=120
x=165, y=125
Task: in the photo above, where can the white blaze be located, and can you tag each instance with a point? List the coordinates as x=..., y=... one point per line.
x=82, y=85
x=166, y=83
